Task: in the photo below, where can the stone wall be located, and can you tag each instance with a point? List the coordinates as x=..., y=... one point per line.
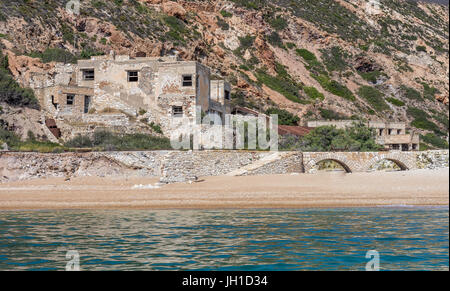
x=364, y=161
x=432, y=159
x=180, y=166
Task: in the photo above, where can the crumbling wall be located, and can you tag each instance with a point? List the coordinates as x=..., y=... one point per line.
x=171, y=166
x=181, y=166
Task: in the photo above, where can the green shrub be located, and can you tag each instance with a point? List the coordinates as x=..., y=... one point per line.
x=313, y=93
x=329, y=114
x=9, y=137
x=335, y=59
x=285, y=87
x=421, y=48
x=222, y=24
x=275, y=39
x=374, y=97
x=334, y=87
x=177, y=28
x=240, y=99
x=395, y=101
x=421, y=120
x=38, y=146
x=306, y=55
x=11, y=92
x=425, y=124
x=290, y=45
x=284, y=117
x=442, y=119
x=80, y=141
x=98, y=4
x=435, y=141
x=278, y=23
x=429, y=92
x=156, y=127
x=244, y=67
x=30, y=145
x=246, y=42
x=282, y=83
x=410, y=93
x=55, y=55
x=120, y=142
x=371, y=77
x=87, y=53
x=226, y=13
x=314, y=65
x=417, y=113
x=329, y=138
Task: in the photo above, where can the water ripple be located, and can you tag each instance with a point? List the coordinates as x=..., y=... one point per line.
x=252, y=240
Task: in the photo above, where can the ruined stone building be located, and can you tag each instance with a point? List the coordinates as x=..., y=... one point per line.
x=391, y=135
x=111, y=91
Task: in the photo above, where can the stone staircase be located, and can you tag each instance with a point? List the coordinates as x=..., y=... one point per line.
x=259, y=163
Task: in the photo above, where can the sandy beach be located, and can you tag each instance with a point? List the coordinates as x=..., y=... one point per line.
x=324, y=189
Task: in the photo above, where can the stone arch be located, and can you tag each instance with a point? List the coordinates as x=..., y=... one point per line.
x=347, y=164
x=400, y=159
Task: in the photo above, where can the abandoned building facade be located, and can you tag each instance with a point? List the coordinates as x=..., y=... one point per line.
x=112, y=92
x=391, y=135
x=108, y=90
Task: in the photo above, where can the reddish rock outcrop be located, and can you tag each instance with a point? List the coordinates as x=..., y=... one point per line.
x=173, y=9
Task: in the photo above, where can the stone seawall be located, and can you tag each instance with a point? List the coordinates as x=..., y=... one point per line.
x=180, y=166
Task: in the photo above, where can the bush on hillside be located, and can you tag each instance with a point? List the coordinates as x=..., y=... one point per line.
x=435, y=141
x=328, y=138
x=374, y=97
x=284, y=117
x=120, y=142
x=11, y=92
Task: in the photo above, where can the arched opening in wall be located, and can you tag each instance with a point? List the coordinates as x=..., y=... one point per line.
x=332, y=166
x=388, y=165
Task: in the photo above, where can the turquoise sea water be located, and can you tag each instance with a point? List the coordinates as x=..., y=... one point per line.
x=309, y=239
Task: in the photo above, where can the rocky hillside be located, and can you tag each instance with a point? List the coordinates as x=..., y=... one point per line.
x=333, y=59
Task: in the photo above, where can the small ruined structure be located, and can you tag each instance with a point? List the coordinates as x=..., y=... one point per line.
x=110, y=91
x=391, y=135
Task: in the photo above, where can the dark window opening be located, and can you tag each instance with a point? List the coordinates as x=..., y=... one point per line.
x=177, y=111
x=54, y=103
x=390, y=131
x=395, y=147
x=405, y=147
x=381, y=132
x=399, y=131
x=87, y=101
x=227, y=95
x=70, y=99
x=133, y=76
x=414, y=146
x=88, y=75
x=187, y=80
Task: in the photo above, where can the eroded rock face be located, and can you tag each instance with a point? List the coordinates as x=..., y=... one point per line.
x=22, y=67
x=22, y=120
x=174, y=9
x=442, y=98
